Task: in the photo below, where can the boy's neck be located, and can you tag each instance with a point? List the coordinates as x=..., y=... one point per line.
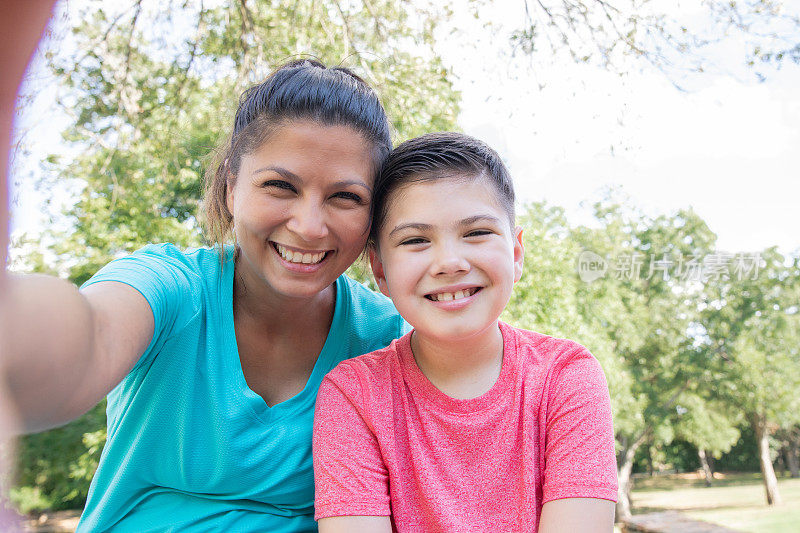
x=462, y=369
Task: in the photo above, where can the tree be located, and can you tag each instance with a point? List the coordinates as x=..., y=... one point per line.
x=645, y=304
x=151, y=88
x=753, y=328
x=710, y=425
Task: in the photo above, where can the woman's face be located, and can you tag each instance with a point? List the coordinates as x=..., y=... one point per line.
x=300, y=206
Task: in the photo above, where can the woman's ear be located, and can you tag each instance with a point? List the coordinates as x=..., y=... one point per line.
x=519, y=253
x=377, y=270
x=230, y=182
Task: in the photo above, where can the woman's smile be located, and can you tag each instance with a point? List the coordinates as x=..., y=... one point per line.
x=299, y=256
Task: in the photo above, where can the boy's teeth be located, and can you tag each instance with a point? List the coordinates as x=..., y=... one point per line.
x=447, y=296
x=299, y=257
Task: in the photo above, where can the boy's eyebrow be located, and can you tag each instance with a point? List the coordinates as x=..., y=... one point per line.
x=411, y=225
x=478, y=218
x=419, y=226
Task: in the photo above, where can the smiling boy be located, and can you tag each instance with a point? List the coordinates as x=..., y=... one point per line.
x=466, y=423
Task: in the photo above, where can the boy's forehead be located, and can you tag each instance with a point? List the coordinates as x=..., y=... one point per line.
x=428, y=180
x=432, y=179
x=434, y=195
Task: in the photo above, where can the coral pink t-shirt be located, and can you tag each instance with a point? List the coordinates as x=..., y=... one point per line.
x=388, y=442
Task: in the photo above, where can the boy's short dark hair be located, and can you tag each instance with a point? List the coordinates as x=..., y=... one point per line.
x=434, y=156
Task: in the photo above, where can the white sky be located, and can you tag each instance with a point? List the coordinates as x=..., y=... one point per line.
x=729, y=148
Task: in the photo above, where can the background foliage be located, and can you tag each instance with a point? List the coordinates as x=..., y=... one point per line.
x=151, y=88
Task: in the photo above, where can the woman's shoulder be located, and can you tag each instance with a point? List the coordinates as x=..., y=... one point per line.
x=364, y=300
x=371, y=315
x=370, y=371
x=165, y=261
x=203, y=260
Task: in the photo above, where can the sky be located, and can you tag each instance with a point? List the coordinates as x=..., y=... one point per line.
x=726, y=145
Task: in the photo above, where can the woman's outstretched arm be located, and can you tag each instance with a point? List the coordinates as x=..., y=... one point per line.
x=63, y=349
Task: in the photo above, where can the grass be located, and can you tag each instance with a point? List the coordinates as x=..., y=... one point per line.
x=736, y=501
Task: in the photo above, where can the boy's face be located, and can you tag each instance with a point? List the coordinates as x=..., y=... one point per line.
x=448, y=257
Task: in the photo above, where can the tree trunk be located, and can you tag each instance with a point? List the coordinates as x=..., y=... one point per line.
x=767, y=472
x=706, y=467
x=792, y=459
x=624, y=479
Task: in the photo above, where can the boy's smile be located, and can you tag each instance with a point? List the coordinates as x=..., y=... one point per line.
x=448, y=257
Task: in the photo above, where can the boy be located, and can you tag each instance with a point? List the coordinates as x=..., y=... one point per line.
x=466, y=423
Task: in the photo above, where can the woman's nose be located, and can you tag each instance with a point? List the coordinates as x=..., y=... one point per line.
x=448, y=260
x=308, y=221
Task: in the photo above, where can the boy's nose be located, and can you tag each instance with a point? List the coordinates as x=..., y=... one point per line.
x=308, y=221
x=448, y=260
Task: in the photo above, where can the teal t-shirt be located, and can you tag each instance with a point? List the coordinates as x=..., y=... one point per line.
x=190, y=446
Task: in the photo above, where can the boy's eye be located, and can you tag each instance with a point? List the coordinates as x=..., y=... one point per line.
x=279, y=184
x=347, y=195
x=413, y=240
x=478, y=232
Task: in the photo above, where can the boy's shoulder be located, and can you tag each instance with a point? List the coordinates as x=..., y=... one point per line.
x=541, y=349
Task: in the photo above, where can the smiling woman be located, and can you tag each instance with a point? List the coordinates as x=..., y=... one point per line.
x=212, y=358
x=301, y=208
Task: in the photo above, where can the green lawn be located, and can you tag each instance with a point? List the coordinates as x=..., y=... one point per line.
x=736, y=501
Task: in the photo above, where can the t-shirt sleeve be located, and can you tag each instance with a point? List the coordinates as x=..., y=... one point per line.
x=159, y=273
x=350, y=477
x=579, y=447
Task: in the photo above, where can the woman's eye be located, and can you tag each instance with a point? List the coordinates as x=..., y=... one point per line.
x=279, y=184
x=349, y=196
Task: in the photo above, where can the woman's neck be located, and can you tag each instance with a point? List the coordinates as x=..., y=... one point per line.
x=462, y=369
x=279, y=315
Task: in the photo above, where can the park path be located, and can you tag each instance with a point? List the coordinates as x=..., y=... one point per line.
x=670, y=522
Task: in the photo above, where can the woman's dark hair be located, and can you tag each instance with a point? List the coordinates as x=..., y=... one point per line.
x=435, y=156
x=299, y=90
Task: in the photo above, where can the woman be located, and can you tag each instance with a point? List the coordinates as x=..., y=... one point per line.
x=215, y=355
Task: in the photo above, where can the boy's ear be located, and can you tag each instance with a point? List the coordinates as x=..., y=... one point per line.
x=519, y=253
x=377, y=270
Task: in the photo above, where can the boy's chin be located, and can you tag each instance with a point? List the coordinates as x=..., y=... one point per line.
x=459, y=334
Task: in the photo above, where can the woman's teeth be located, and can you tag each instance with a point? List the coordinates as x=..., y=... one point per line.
x=447, y=296
x=299, y=257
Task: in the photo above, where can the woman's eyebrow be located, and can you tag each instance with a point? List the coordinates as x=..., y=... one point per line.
x=288, y=174
x=353, y=182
